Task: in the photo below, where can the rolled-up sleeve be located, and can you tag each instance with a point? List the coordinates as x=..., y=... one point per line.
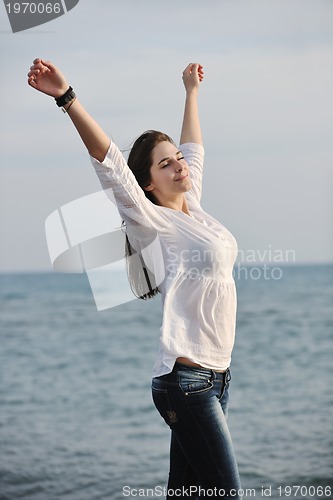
x=121, y=186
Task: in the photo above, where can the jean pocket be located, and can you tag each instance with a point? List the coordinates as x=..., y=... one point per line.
x=162, y=404
x=195, y=386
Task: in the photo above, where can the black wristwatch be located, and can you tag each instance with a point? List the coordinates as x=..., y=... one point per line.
x=68, y=96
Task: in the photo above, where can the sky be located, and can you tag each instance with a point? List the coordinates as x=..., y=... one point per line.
x=265, y=107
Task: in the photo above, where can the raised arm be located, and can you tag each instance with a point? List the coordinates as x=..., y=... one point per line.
x=191, y=131
x=47, y=78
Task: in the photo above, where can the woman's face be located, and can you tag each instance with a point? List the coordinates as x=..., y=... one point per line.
x=170, y=176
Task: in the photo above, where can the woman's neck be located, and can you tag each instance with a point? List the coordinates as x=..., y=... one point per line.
x=179, y=205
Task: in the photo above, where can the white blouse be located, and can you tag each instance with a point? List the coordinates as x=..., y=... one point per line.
x=194, y=264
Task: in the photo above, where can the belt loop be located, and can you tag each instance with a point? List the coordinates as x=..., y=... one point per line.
x=213, y=375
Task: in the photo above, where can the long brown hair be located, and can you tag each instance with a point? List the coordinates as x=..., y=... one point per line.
x=141, y=279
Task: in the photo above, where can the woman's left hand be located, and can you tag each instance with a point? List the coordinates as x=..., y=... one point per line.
x=193, y=75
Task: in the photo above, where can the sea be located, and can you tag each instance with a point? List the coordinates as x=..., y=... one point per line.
x=77, y=420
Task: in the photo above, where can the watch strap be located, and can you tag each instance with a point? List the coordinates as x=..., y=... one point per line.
x=68, y=96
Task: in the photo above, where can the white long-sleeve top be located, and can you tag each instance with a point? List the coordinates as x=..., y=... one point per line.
x=195, y=264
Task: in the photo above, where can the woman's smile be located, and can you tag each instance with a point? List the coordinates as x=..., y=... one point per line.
x=182, y=177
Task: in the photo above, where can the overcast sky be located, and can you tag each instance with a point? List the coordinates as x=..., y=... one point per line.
x=265, y=105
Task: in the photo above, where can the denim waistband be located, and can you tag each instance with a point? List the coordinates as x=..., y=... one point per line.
x=214, y=375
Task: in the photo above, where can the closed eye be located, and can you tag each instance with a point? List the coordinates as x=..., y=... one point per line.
x=167, y=163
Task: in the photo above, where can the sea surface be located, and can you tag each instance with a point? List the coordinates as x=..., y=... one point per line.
x=77, y=420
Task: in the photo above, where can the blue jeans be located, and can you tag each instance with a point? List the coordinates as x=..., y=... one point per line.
x=193, y=402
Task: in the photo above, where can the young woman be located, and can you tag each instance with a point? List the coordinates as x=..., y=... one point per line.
x=158, y=193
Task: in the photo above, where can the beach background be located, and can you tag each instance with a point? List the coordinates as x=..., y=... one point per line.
x=77, y=419
x=76, y=416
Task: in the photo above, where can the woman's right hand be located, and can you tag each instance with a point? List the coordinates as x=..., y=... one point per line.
x=193, y=75
x=47, y=78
